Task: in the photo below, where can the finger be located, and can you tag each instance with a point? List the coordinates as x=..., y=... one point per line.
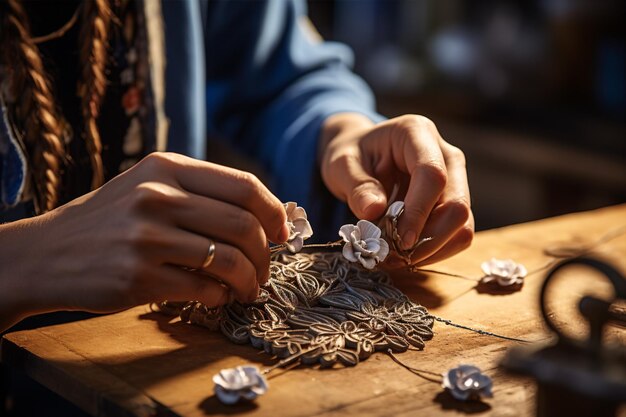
x=232, y=267
x=461, y=240
x=350, y=181
x=229, y=264
x=423, y=160
x=229, y=224
x=176, y=284
x=227, y=184
x=453, y=210
x=443, y=223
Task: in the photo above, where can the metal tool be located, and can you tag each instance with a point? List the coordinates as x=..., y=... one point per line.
x=578, y=377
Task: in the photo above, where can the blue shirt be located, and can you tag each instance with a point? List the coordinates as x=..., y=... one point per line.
x=252, y=74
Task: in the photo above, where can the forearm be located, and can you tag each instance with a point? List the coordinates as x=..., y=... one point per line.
x=22, y=273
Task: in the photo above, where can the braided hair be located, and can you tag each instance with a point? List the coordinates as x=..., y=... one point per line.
x=96, y=18
x=31, y=100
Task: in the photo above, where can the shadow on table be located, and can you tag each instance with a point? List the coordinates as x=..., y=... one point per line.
x=202, y=345
x=211, y=406
x=416, y=286
x=448, y=402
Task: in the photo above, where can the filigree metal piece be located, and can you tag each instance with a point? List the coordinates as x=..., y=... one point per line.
x=404, y=319
x=321, y=309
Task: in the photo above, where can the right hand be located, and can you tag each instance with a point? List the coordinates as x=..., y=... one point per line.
x=125, y=243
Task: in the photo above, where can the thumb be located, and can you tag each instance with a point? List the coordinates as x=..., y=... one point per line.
x=365, y=194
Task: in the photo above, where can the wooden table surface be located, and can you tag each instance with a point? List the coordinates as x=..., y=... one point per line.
x=142, y=363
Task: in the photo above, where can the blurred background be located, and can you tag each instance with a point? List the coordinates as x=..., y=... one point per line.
x=533, y=91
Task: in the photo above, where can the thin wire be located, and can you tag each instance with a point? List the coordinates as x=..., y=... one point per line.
x=482, y=332
x=547, y=265
x=610, y=235
x=288, y=359
x=285, y=370
x=449, y=274
x=278, y=248
x=59, y=32
x=416, y=371
x=582, y=249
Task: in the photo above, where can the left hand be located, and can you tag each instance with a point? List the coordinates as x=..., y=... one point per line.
x=361, y=162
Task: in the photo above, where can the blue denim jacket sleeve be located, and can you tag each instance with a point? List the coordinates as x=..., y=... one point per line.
x=270, y=86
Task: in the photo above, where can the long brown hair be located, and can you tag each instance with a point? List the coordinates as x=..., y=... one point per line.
x=32, y=102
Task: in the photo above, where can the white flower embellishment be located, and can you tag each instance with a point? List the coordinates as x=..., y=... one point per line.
x=363, y=244
x=233, y=384
x=299, y=227
x=504, y=272
x=389, y=223
x=467, y=382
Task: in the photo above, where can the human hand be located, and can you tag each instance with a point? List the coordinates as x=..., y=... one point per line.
x=125, y=243
x=361, y=163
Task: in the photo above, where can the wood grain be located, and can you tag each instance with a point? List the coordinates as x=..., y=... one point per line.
x=140, y=363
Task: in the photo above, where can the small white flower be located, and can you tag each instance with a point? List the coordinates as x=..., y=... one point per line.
x=466, y=382
x=395, y=209
x=363, y=244
x=389, y=224
x=505, y=272
x=299, y=227
x=233, y=384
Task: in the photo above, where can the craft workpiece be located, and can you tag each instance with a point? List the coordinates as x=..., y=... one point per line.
x=140, y=362
x=329, y=308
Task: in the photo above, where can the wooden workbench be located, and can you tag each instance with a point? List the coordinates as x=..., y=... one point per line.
x=142, y=363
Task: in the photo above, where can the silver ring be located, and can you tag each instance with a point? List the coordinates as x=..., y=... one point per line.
x=209, y=256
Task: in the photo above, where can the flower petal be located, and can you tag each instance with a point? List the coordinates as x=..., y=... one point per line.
x=368, y=229
x=383, y=251
x=449, y=379
x=295, y=245
x=346, y=231
x=303, y=226
x=367, y=262
x=468, y=369
x=292, y=231
x=506, y=281
x=466, y=382
x=521, y=271
x=372, y=245
x=486, y=267
x=298, y=213
x=460, y=395
x=290, y=206
x=226, y=396
x=348, y=252
x=395, y=209
x=248, y=394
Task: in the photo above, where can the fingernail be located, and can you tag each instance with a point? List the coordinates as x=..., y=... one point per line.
x=283, y=233
x=409, y=239
x=367, y=200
